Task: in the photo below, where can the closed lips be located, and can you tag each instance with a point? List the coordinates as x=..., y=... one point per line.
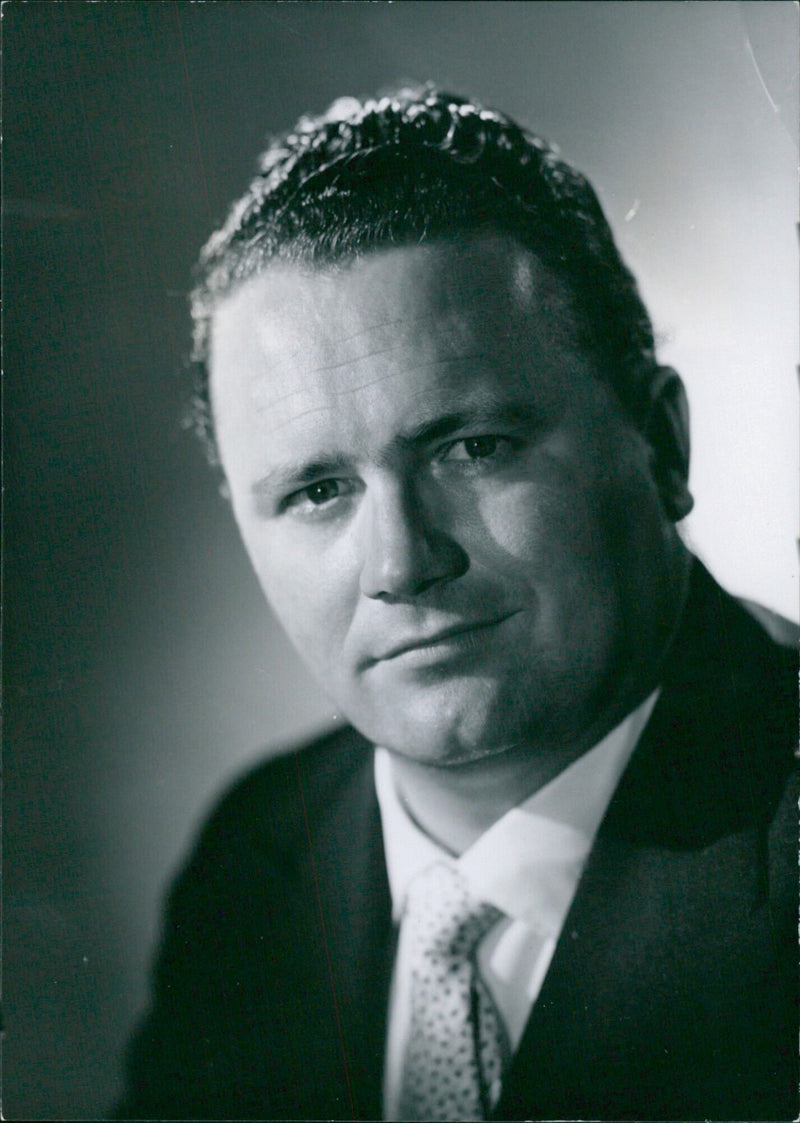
x=416, y=642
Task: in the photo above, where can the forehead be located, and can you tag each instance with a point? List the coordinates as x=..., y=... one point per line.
x=402, y=330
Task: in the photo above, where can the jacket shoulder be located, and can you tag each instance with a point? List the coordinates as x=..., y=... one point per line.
x=241, y=920
x=267, y=808
x=739, y=655
x=721, y=745
x=783, y=632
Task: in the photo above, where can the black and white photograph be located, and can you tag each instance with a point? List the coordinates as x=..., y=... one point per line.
x=400, y=560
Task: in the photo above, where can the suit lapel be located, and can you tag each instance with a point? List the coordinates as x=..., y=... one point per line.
x=621, y=1017
x=348, y=869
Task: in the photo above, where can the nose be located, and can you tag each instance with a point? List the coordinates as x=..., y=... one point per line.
x=403, y=551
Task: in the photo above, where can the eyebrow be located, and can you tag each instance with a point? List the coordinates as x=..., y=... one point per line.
x=294, y=476
x=507, y=413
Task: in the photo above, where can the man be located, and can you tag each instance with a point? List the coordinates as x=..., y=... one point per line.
x=457, y=468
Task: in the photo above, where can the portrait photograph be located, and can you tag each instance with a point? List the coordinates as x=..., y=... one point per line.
x=400, y=559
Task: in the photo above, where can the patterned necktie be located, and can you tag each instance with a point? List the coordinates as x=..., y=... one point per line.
x=457, y=1043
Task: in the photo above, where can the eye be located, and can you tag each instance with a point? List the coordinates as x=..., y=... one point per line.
x=475, y=448
x=317, y=496
x=322, y=492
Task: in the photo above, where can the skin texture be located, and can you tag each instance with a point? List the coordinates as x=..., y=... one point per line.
x=467, y=541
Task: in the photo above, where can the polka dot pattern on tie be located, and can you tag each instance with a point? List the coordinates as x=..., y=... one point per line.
x=457, y=1044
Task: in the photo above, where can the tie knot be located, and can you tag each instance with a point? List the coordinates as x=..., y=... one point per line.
x=445, y=918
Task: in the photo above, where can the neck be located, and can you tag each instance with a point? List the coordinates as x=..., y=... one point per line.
x=456, y=805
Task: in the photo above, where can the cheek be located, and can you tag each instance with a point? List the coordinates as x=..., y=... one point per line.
x=538, y=529
x=309, y=589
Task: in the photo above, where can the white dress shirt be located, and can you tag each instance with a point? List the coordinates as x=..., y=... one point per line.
x=528, y=864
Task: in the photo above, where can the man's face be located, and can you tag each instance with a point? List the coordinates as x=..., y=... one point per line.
x=445, y=506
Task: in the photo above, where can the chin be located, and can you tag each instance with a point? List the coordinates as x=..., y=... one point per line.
x=447, y=754
x=441, y=735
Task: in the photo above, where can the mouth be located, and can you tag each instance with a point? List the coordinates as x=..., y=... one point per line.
x=455, y=638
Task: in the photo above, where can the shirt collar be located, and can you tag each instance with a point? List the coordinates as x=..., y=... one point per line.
x=527, y=862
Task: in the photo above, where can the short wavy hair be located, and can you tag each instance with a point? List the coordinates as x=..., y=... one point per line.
x=415, y=166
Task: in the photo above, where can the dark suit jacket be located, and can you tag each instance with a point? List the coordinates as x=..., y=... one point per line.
x=672, y=991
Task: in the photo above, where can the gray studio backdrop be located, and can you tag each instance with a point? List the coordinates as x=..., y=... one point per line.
x=141, y=669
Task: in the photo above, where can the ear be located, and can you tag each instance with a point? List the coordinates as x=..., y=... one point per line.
x=666, y=430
